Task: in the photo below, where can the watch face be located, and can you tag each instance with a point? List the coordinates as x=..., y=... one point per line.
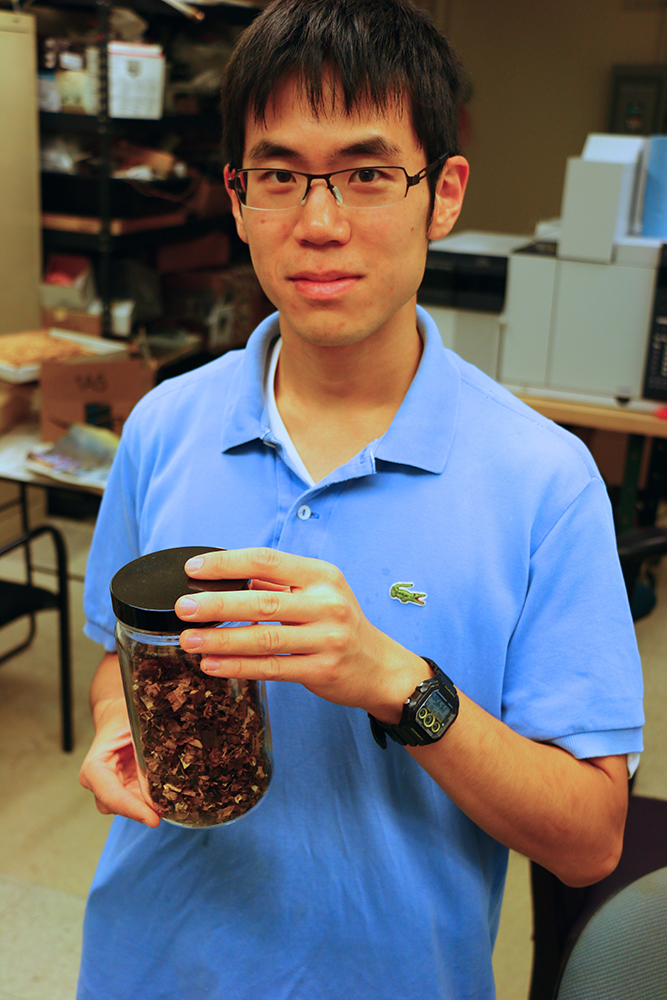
x=434, y=714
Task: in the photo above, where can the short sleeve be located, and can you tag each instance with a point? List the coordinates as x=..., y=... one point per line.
x=115, y=542
x=573, y=673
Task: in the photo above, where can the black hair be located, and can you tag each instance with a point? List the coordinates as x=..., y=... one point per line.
x=374, y=51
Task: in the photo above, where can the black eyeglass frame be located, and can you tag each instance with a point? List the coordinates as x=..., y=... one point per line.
x=411, y=181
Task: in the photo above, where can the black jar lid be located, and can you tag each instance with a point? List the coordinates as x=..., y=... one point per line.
x=144, y=591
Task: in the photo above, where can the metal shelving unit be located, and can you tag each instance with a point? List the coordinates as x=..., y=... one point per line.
x=103, y=244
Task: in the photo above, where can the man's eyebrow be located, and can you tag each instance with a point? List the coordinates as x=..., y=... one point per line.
x=265, y=149
x=375, y=145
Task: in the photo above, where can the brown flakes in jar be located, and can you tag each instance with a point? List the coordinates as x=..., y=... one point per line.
x=203, y=740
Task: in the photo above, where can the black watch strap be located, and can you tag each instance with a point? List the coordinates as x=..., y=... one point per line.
x=426, y=716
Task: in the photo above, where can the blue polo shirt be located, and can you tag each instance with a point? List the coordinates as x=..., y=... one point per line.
x=357, y=876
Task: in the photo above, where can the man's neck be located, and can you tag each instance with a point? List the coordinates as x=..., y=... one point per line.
x=336, y=400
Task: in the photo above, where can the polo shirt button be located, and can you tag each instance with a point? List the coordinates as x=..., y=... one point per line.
x=304, y=512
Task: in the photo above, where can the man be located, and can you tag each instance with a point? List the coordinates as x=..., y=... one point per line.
x=390, y=503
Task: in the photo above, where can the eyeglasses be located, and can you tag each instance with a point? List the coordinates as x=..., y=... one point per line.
x=271, y=190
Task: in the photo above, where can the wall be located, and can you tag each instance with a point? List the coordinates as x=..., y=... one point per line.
x=20, y=237
x=541, y=76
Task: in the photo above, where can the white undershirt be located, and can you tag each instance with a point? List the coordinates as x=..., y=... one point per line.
x=293, y=459
x=276, y=425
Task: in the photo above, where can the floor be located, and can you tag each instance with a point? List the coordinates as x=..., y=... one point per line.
x=51, y=834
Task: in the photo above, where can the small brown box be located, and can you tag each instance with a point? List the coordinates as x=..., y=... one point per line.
x=72, y=319
x=91, y=391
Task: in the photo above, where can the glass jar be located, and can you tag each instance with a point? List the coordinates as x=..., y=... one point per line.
x=202, y=744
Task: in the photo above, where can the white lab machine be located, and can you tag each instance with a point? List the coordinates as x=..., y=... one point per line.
x=581, y=312
x=580, y=303
x=464, y=291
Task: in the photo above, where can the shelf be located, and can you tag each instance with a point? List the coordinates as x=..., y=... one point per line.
x=56, y=239
x=57, y=121
x=80, y=194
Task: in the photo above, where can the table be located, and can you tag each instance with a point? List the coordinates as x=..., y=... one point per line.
x=638, y=425
x=14, y=447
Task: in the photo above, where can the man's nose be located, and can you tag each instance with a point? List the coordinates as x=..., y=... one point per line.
x=325, y=183
x=321, y=218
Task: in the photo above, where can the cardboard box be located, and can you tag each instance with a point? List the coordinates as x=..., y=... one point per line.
x=91, y=392
x=68, y=282
x=77, y=320
x=89, y=321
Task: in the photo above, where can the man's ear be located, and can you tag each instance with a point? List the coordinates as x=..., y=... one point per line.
x=236, y=205
x=448, y=196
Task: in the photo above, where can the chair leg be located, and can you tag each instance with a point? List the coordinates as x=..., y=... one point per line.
x=66, y=677
x=23, y=645
x=62, y=605
x=555, y=908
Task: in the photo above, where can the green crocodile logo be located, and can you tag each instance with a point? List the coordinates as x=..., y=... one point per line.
x=401, y=592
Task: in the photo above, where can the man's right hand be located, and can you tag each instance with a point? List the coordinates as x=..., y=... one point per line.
x=109, y=770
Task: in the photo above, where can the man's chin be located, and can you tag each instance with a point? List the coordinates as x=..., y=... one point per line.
x=321, y=335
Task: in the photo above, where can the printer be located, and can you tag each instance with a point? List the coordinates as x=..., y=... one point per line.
x=583, y=305
x=464, y=289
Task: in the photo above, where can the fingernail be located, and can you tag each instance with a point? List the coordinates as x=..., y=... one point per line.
x=195, y=563
x=192, y=641
x=187, y=605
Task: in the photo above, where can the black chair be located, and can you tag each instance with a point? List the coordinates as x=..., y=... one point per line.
x=18, y=600
x=634, y=548
x=561, y=913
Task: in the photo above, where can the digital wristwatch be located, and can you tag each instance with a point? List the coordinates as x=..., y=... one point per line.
x=427, y=714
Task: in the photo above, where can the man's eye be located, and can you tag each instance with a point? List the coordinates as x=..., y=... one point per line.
x=277, y=177
x=365, y=175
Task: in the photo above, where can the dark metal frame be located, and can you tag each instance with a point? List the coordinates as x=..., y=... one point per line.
x=41, y=599
x=411, y=181
x=104, y=135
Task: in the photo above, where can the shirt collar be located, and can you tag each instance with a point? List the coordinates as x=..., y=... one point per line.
x=420, y=434
x=422, y=431
x=245, y=416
